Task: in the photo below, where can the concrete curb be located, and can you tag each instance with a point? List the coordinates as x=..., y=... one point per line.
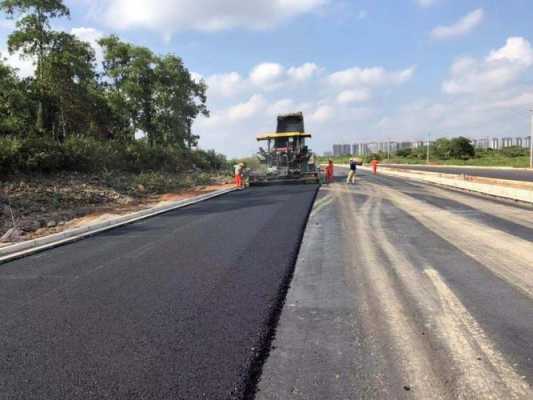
x=456, y=167
x=29, y=247
x=507, y=189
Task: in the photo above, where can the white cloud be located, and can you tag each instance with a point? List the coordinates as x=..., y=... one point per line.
x=516, y=50
x=264, y=76
x=91, y=36
x=267, y=74
x=303, y=72
x=426, y=3
x=225, y=85
x=462, y=27
x=353, y=96
x=24, y=65
x=169, y=16
x=323, y=114
x=370, y=77
x=247, y=109
x=282, y=106
x=502, y=67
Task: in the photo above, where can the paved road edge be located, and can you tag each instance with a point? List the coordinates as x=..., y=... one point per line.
x=30, y=247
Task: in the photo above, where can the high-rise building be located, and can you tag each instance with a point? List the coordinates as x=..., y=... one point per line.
x=341, y=150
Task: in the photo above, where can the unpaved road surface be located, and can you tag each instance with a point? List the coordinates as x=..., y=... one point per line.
x=407, y=291
x=174, y=307
x=495, y=173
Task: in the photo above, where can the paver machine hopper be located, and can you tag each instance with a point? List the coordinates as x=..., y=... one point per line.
x=287, y=158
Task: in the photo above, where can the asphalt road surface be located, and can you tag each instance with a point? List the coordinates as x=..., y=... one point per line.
x=174, y=307
x=407, y=291
x=507, y=174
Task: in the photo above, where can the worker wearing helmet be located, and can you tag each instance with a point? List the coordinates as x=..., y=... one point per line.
x=353, y=171
x=238, y=175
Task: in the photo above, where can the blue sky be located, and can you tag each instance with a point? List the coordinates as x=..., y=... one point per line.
x=360, y=70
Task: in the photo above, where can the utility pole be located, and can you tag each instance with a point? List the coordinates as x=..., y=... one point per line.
x=388, y=151
x=429, y=141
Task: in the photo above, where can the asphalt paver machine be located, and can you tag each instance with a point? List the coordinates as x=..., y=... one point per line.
x=287, y=158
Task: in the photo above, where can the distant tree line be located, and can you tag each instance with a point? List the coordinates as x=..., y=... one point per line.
x=459, y=148
x=72, y=101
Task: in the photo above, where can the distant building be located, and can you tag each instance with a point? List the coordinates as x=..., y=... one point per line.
x=507, y=142
x=482, y=144
x=341, y=150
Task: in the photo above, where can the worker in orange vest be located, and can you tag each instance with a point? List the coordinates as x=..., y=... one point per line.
x=238, y=175
x=329, y=172
x=374, y=164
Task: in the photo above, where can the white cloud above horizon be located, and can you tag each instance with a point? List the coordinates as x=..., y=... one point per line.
x=370, y=77
x=244, y=105
x=460, y=28
x=209, y=15
x=426, y=3
x=500, y=68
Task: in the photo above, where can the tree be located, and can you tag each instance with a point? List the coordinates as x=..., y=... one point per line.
x=15, y=101
x=131, y=86
x=441, y=149
x=33, y=36
x=180, y=100
x=461, y=148
x=157, y=94
x=69, y=74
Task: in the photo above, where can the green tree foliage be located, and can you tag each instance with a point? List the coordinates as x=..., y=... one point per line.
x=15, y=102
x=462, y=148
x=33, y=37
x=441, y=149
x=70, y=83
x=156, y=95
x=71, y=108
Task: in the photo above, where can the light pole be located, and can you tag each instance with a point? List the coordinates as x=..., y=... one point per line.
x=531, y=140
x=429, y=141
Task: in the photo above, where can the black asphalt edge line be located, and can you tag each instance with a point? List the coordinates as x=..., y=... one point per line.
x=87, y=235
x=265, y=342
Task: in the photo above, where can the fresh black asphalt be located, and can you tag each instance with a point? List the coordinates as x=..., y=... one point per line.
x=178, y=306
x=507, y=174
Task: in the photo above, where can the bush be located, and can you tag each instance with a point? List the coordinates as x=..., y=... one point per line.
x=90, y=155
x=514, y=151
x=404, y=153
x=37, y=154
x=9, y=155
x=210, y=160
